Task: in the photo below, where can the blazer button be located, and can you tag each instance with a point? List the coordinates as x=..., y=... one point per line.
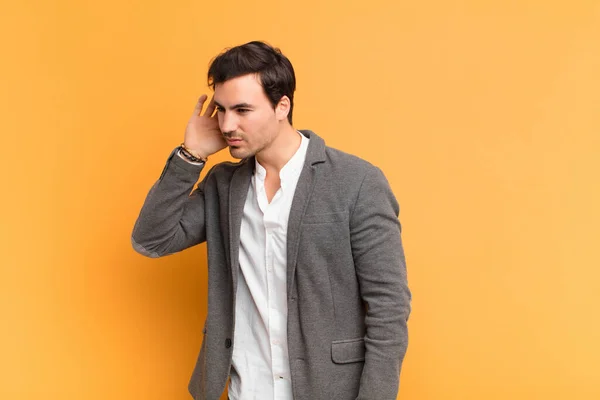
x=227, y=343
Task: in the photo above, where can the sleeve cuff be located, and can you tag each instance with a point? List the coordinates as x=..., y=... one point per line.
x=180, y=164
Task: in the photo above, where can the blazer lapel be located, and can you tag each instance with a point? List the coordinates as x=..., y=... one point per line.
x=238, y=191
x=315, y=154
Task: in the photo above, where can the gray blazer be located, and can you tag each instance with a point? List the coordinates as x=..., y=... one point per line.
x=348, y=299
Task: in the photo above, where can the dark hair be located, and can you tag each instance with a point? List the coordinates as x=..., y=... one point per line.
x=274, y=70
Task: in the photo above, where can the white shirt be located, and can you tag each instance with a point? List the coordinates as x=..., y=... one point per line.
x=261, y=369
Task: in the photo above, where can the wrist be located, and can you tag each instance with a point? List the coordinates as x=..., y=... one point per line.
x=187, y=160
x=192, y=154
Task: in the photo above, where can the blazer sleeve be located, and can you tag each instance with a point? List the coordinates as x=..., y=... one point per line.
x=172, y=217
x=380, y=267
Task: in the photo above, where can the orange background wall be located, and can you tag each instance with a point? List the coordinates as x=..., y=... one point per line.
x=485, y=116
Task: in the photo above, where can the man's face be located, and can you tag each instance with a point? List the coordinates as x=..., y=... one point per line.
x=246, y=117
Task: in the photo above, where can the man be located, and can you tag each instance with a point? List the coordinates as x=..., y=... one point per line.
x=307, y=291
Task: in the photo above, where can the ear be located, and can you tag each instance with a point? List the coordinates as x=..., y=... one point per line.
x=282, y=109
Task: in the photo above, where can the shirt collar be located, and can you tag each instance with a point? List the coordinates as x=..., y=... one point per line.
x=292, y=168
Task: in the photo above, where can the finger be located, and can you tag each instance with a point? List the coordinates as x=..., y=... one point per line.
x=210, y=109
x=199, y=104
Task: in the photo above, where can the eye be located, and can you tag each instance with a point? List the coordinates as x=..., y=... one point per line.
x=219, y=109
x=243, y=110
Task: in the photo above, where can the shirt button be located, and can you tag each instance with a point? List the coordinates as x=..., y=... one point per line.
x=269, y=268
x=227, y=343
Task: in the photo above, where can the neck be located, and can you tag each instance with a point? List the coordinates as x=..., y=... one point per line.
x=281, y=150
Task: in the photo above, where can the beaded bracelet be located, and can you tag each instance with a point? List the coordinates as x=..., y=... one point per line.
x=189, y=156
x=187, y=153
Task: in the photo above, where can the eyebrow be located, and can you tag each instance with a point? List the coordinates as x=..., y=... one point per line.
x=235, y=107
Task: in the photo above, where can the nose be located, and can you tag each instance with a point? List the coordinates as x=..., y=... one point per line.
x=228, y=122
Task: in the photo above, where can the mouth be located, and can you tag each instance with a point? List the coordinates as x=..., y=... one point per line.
x=233, y=142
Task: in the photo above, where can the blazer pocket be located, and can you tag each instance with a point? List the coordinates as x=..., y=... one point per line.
x=348, y=351
x=325, y=218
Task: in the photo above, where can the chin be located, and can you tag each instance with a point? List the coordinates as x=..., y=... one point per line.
x=239, y=153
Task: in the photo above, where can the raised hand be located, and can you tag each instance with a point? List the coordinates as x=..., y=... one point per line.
x=202, y=134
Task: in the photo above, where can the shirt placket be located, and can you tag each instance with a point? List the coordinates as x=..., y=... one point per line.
x=277, y=338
